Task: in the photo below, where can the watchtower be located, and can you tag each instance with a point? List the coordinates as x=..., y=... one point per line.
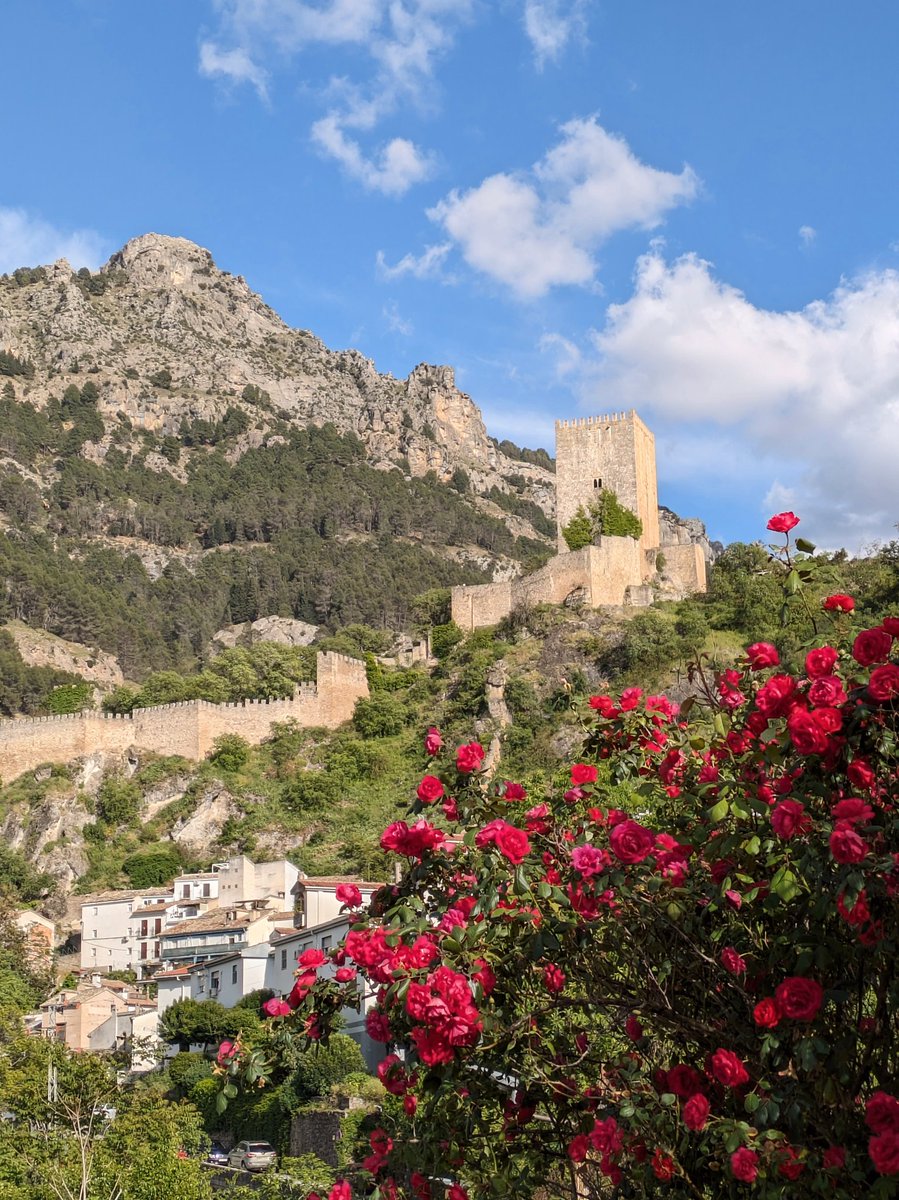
x=615, y=452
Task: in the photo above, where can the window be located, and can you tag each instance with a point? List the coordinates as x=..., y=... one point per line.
x=283, y=960
x=95, y=913
x=157, y=925
x=95, y=933
x=144, y=928
x=597, y=483
x=156, y=949
x=207, y=890
x=234, y=973
x=185, y=891
x=143, y=950
x=326, y=943
x=93, y=952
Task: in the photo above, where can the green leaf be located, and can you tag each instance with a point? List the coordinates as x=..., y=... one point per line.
x=718, y=811
x=805, y=546
x=751, y=1102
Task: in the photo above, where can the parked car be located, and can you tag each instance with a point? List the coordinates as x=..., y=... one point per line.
x=253, y=1156
x=218, y=1155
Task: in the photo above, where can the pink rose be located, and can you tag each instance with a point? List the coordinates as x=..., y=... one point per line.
x=630, y=842
x=433, y=741
x=732, y=961
x=783, y=522
x=276, y=1008
x=588, y=860
x=348, y=894
x=469, y=757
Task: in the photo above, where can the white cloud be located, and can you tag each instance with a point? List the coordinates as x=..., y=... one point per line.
x=399, y=164
x=234, y=65
x=396, y=323
x=807, y=400
x=550, y=25
x=567, y=354
x=537, y=231
x=807, y=234
x=397, y=42
x=28, y=241
x=426, y=266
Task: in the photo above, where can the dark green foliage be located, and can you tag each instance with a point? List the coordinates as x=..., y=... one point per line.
x=652, y=643
x=230, y=752
x=11, y=365
x=185, y=1070
x=118, y=801
x=604, y=517
x=27, y=690
x=19, y=879
x=203, y=1022
x=253, y=1001
x=25, y=978
x=70, y=698
x=162, y=378
x=379, y=716
x=537, y=458
x=28, y=275
x=321, y=1066
x=311, y=792
x=152, y=868
x=444, y=638
x=520, y=507
x=432, y=607
x=460, y=481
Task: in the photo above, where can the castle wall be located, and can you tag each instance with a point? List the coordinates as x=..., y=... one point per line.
x=189, y=728
x=604, y=572
x=614, y=452
x=685, y=567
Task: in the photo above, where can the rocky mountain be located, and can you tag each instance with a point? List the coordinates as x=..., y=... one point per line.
x=167, y=337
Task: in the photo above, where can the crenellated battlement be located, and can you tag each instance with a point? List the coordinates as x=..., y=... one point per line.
x=607, y=419
x=185, y=727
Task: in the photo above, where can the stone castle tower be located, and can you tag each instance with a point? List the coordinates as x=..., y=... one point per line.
x=611, y=453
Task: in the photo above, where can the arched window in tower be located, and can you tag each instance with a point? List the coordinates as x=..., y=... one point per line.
x=597, y=484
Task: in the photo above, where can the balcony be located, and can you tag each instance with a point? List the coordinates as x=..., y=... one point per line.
x=191, y=952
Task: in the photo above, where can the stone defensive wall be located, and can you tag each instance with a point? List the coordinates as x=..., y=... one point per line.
x=606, y=574
x=188, y=728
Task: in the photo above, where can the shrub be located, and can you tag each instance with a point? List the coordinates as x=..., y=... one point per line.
x=118, y=801
x=679, y=999
x=444, y=638
x=322, y=1066
x=382, y=715
x=152, y=868
x=230, y=752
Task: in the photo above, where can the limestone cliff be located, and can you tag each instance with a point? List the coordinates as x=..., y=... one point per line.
x=165, y=336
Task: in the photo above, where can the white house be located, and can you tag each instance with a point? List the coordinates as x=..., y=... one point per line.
x=240, y=880
x=222, y=931
x=231, y=977
x=315, y=900
x=171, y=985
x=108, y=942
x=134, y=1029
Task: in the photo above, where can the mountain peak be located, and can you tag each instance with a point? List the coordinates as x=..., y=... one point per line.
x=157, y=257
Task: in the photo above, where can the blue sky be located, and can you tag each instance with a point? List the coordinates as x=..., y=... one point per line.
x=581, y=205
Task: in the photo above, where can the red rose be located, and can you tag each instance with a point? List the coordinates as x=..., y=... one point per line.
x=790, y=1165
x=744, y=1165
x=553, y=978
x=344, y=974
x=884, y=1152
x=604, y=705
x=839, y=603
x=276, y=1008
x=514, y=791
x=891, y=625
x=789, y=818
x=806, y=732
x=631, y=842
x=662, y=1166
x=799, y=999
x=509, y=840
x=684, y=1081
x=312, y=958
x=348, y=894
x=884, y=683
x=761, y=655
x=695, y=1112
x=433, y=741
x=820, y=662
x=882, y=1113
x=341, y=1191
x=633, y=1028
x=777, y=697
x=834, y=1158
x=728, y=1069
x=582, y=773
x=860, y=772
x=766, y=1014
x=827, y=691
x=783, y=522
x=578, y=1147
x=846, y=846
x=469, y=757
x=430, y=789
x=732, y=961
x=872, y=646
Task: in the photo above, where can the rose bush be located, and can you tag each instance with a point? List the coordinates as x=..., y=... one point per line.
x=697, y=997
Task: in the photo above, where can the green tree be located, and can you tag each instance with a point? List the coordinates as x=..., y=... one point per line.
x=381, y=715
x=118, y=801
x=230, y=752
x=153, y=867
x=321, y=1066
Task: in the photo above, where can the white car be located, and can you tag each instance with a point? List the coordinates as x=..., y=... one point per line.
x=253, y=1156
